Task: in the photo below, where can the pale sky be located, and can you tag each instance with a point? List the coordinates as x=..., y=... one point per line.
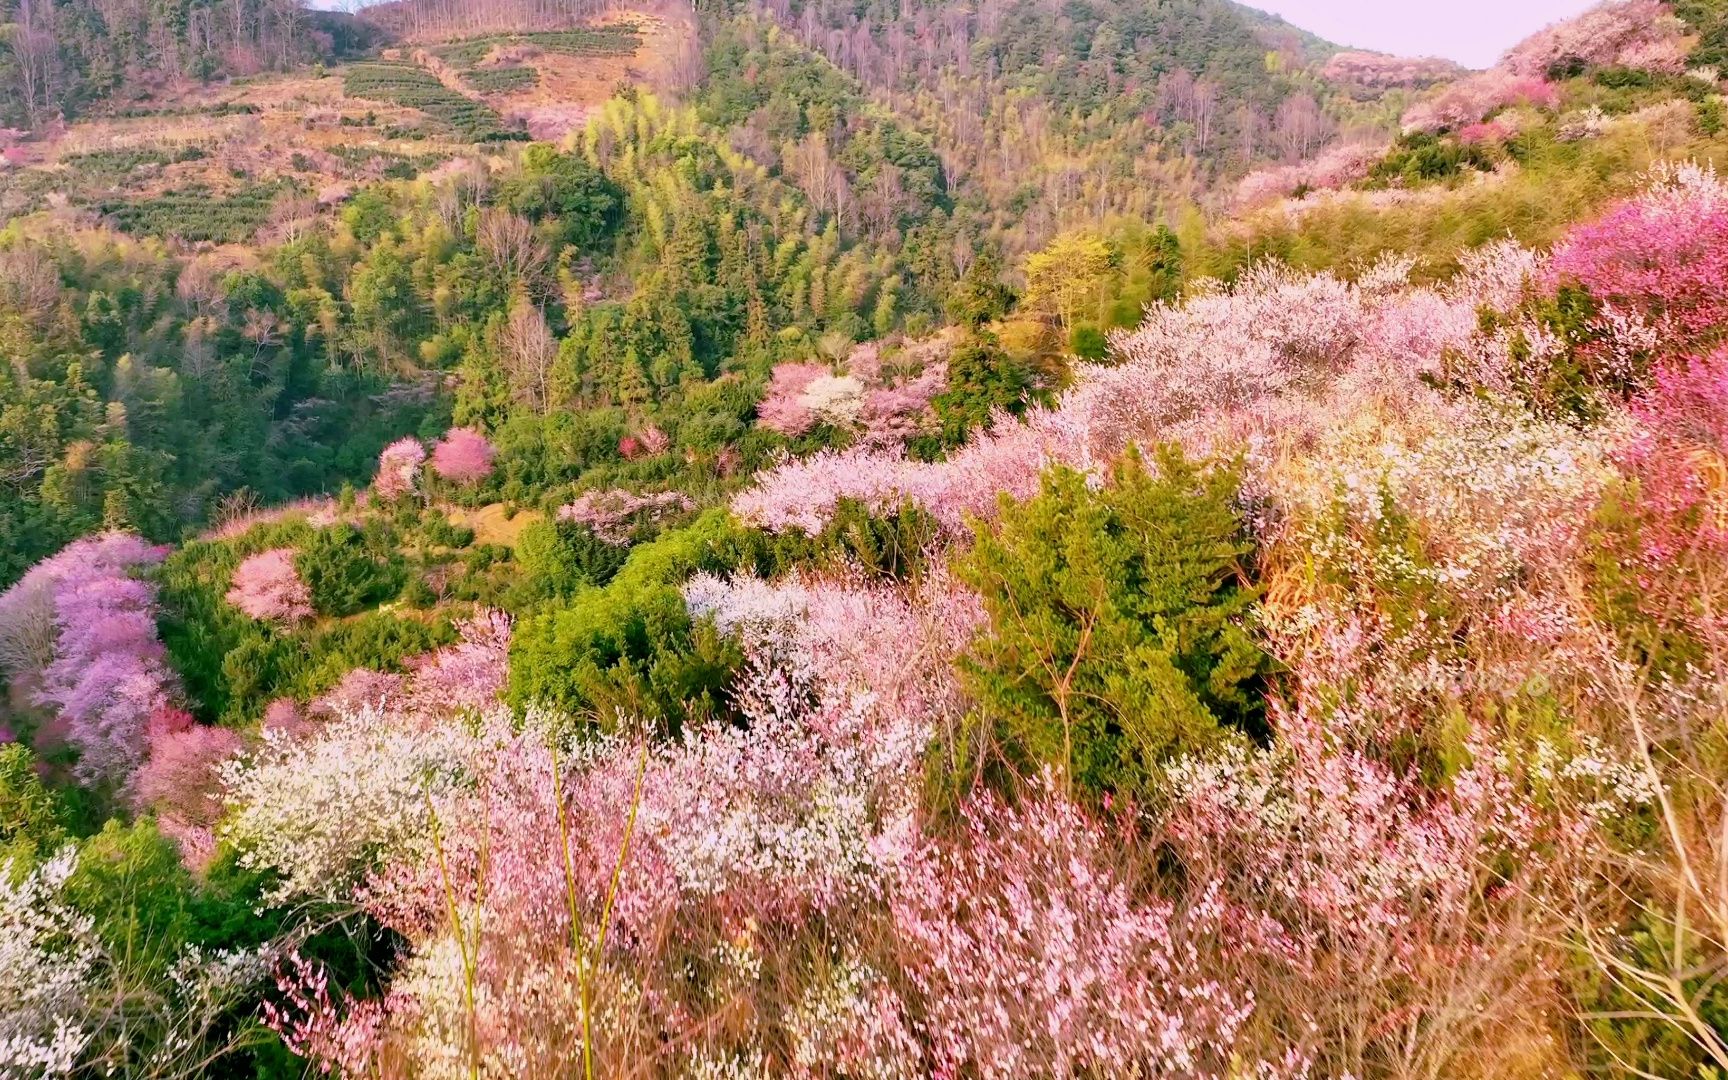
x=1472, y=32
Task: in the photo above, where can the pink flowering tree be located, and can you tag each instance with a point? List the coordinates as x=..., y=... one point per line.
x=1642, y=34
x=266, y=586
x=1474, y=98
x=463, y=456
x=1678, y=555
x=399, y=466
x=783, y=407
x=179, y=782
x=108, y=675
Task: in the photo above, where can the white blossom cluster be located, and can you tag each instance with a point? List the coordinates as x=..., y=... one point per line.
x=49, y=960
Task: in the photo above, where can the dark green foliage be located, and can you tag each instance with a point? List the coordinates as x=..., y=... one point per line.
x=565, y=188
x=347, y=570
x=30, y=827
x=266, y=663
x=557, y=559
x=1420, y=157
x=982, y=379
x=979, y=296
x=1116, y=632
x=117, y=163
x=1708, y=19
x=1087, y=342
x=1624, y=78
x=627, y=649
x=417, y=88
x=1712, y=117
x=233, y=666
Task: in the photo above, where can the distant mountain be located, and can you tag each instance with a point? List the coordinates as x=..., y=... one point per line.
x=1056, y=111
x=1287, y=34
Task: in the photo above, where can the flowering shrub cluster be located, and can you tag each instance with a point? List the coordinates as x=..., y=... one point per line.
x=1643, y=34
x=887, y=409
x=615, y=516
x=1029, y=953
x=1334, y=168
x=1473, y=99
x=1466, y=822
x=48, y=955
x=316, y=807
x=1661, y=258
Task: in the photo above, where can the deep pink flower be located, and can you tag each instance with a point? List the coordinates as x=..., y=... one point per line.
x=463, y=456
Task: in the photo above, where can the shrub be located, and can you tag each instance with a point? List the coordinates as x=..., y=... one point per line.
x=1115, y=637
x=345, y=572
x=626, y=650
x=417, y=88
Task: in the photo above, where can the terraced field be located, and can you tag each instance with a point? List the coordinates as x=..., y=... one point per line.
x=416, y=88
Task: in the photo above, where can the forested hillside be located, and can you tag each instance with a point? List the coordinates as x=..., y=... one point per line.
x=870, y=540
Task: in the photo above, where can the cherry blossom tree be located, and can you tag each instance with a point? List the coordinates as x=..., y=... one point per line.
x=267, y=586
x=108, y=675
x=463, y=456
x=399, y=466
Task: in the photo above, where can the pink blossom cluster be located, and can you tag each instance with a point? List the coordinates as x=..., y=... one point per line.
x=737, y=835
x=466, y=677
x=399, y=466
x=463, y=456
x=317, y=510
x=1264, y=351
x=616, y=516
x=1488, y=132
x=107, y=675
x=800, y=395
x=1028, y=952
x=782, y=406
x=1643, y=34
x=1379, y=71
x=1661, y=257
x=267, y=586
x=1679, y=460
x=179, y=781
x=1335, y=168
x=648, y=442
x=1473, y=99
x=804, y=494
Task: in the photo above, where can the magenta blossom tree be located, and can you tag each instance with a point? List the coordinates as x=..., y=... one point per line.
x=268, y=587
x=463, y=456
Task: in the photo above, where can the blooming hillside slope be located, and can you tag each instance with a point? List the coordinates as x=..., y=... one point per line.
x=1328, y=680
